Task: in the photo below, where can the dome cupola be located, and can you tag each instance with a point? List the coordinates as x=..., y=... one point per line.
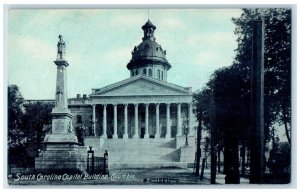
x=148, y=58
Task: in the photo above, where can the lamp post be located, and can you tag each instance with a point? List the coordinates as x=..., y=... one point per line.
x=90, y=161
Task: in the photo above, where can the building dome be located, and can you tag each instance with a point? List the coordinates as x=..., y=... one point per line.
x=149, y=56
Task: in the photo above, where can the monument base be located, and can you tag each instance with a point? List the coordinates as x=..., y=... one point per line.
x=61, y=157
x=61, y=138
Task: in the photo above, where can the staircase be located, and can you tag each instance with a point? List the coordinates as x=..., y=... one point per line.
x=137, y=153
x=141, y=153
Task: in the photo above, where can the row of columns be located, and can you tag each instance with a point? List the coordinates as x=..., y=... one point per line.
x=157, y=133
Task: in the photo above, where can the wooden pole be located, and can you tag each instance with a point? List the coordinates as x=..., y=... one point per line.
x=257, y=137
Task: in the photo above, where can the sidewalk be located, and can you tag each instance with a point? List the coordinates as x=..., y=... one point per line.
x=220, y=178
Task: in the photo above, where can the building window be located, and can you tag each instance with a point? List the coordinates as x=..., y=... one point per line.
x=145, y=71
x=158, y=74
x=132, y=73
x=78, y=119
x=136, y=72
x=150, y=72
x=162, y=75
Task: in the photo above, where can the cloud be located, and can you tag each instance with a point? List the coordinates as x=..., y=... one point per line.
x=100, y=41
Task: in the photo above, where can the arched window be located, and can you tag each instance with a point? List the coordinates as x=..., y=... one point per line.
x=150, y=72
x=158, y=74
x=162, y=75
x=132, y=73
x=136, y=72
x=145, y=71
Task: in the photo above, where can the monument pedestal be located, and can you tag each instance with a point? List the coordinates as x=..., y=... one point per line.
x=61, y=157
x=62, y=152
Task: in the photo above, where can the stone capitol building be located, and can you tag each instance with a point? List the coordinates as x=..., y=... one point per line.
x=143, y=121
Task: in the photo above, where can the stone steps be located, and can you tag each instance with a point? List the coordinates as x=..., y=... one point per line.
x=142, y=151
x=150, y=165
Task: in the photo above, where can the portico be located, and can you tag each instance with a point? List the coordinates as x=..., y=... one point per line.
x=141, y=107
x=146, y=120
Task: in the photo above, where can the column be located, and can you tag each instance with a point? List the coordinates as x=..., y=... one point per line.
x=94, y=118
x=136, y=123
x=191, y=130
x=104, y=135
x=146, y=120
x=168, y=131
x=157, y=134
x=115, y=135
x=179, y=126
x=125, y=136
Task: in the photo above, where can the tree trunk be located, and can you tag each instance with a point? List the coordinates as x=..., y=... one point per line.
x=198, y=152
x=231, y=159
x=243, y=155
x=213, y=167
x=287, y=133
x=213, y=133
x=219, y=159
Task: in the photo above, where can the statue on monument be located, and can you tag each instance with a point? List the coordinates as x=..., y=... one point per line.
x=61, y=48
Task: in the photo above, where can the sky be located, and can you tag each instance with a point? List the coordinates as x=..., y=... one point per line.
x=99, y=44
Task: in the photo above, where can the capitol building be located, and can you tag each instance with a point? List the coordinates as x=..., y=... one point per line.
x=143, y=120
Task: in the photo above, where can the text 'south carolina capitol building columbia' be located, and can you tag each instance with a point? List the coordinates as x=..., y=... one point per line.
x=143, y=121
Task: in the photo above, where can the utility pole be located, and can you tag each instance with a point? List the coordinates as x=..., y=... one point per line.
x=257, y=117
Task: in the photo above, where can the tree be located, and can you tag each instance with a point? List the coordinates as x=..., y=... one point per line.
x=201, y=101
x=229, y=116
x=37, y=122
x=27, y=125
x=277, y=62
x=16, y=135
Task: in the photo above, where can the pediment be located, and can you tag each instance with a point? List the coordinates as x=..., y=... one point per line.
x=141, y=86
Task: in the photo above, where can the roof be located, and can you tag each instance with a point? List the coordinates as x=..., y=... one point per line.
x=141, y=85
x=148, y=51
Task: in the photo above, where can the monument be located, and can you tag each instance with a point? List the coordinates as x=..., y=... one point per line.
x=62, y=151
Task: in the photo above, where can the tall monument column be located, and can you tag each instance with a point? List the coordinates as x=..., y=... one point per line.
x=62, y=128
x=62, y=151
